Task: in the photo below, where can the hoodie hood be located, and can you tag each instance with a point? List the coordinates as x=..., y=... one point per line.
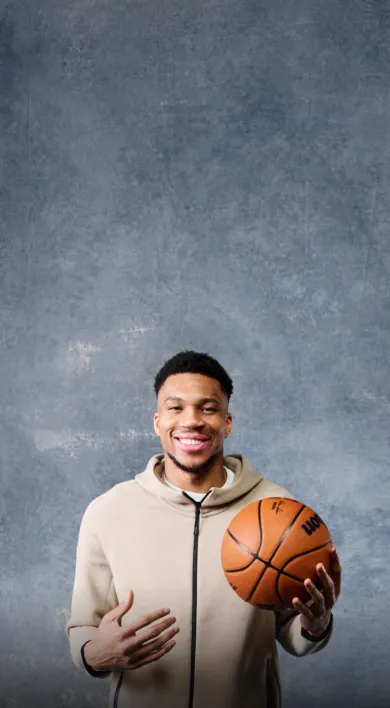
x=245, y=479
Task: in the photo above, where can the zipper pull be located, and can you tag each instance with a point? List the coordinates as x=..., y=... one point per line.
x=197, y=518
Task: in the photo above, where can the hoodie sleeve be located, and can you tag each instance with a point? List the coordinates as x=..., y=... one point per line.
x=288, y=634
x=93, y=590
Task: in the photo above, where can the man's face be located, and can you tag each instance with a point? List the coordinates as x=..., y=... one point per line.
x=192, y=407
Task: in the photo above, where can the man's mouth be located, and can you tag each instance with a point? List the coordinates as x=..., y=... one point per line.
x=192, y=444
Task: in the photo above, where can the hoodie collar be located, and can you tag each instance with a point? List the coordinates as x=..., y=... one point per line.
x=245, y=479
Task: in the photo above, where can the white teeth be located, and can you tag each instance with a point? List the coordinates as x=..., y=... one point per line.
x=191, y=442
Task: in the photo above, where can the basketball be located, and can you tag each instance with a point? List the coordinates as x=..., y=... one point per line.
x=270, y=547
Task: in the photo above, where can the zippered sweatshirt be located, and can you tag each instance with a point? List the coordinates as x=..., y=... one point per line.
x=145, y=536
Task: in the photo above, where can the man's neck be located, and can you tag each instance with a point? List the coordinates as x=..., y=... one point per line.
x=192, y=482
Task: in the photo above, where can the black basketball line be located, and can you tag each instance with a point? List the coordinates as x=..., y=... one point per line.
x=304, y=553
x=283, y=572
x=260, y=528
x=268, y=564
x=277, y=590
x=248, y=599
x=287, y=531
x=244, y=548
x=255, y=556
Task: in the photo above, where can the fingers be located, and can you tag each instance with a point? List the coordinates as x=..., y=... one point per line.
x=302, y=608
x=155, y=631
x=322, y=597
x=117, y=613
x=327, y=585
x=320, y=600
x=147, y=635
x=137, y=663
x=315, y=607
x=318, y=597
x=126, y=606
x=144, y=621
x=149, y=649
x=335, y=563
x=336, y=571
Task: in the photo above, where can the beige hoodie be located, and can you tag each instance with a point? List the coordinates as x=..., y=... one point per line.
x=140, y=535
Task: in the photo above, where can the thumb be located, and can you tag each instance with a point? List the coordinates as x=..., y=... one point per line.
x=117, y=613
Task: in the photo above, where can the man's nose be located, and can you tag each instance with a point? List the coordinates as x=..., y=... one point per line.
x=191, y=418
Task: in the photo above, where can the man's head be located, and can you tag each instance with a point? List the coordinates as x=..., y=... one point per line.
x=193, y=392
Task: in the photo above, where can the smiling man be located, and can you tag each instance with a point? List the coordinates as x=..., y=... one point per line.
x=193, y=421
x=151, y=608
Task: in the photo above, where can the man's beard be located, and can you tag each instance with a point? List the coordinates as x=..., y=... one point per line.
x=201, y=469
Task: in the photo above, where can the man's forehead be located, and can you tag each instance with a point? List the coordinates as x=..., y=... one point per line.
x=191, y=385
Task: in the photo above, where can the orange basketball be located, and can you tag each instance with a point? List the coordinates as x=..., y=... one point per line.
x=270, y=547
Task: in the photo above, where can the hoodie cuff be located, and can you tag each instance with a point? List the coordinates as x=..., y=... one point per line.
x=91, y=671
x=317, y=638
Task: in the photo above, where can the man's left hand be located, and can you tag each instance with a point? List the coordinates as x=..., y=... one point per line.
x=315, y=614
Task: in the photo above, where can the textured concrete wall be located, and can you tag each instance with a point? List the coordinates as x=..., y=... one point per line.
x=207, y=175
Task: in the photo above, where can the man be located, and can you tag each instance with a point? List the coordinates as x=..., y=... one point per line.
x=151, y=607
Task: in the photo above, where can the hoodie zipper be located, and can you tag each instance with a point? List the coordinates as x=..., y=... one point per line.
x=194, y=603
x=118, y=688
x=194, y=594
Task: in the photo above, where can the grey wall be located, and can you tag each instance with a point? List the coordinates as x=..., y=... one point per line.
x=207, y=175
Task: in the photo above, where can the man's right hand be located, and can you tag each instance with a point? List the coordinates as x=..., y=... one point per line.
x=114, y=647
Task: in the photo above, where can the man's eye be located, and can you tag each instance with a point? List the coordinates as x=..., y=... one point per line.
x=177, y=408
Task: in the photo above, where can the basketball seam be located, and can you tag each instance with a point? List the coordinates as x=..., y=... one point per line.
x=258, y=551
x=283, y=572
x=244, y=548
x=268, y=564
x=286, y=532
x=304, y=553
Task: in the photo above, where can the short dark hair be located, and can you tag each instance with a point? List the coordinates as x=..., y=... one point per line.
x=190, y=362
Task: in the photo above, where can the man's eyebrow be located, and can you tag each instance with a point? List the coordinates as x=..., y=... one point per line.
x=207, y=399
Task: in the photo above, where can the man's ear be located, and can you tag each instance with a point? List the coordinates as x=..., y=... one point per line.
x=229, y=424
x=155, y=423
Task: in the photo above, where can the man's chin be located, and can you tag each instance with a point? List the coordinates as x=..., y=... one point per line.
x=196, y=467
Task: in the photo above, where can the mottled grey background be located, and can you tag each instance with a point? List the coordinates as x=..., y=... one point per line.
x=212, y=175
